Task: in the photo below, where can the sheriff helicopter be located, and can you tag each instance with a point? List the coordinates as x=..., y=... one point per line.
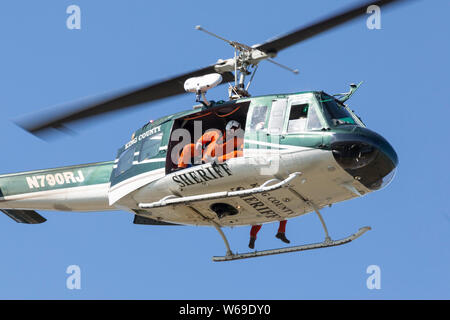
x=297, y=153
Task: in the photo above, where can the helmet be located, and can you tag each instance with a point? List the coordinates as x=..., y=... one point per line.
x=232, y=125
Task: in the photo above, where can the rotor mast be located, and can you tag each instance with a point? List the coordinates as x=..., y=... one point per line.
x=245, y=57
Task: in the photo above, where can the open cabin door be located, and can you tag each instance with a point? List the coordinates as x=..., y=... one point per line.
x=192, y=129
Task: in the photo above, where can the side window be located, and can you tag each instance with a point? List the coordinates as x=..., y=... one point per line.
x=277, y=116
x=150, y=147
x=297, y=117
x=258, y=121
x=125, y=161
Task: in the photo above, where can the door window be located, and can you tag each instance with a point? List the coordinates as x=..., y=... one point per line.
x=303, y=116
x=277, y=116
x=297, y=117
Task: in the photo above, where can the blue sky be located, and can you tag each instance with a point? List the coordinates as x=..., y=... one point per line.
x=406, y=73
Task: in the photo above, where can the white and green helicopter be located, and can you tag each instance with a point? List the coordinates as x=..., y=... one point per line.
x=296, y=154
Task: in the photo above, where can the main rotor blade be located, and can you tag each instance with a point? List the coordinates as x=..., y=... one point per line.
x=41, y=122
x=280, y=43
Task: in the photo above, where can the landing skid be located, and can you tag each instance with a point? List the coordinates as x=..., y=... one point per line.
x=325, y=244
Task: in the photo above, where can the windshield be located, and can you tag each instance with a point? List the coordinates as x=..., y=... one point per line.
x=337, y=112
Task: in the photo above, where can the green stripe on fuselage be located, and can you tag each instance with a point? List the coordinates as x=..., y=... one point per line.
x=57, y=178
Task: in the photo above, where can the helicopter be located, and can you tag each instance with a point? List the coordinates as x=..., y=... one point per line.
x=285, y=155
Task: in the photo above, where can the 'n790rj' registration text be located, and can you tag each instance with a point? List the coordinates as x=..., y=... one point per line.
x=51, y=180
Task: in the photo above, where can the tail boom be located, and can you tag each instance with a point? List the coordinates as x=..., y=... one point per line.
x=74, y=188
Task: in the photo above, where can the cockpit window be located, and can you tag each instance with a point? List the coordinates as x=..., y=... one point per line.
x=299, y=111
x=297, y=117
x=338, y=113
x=303, y=116
x=125, y=161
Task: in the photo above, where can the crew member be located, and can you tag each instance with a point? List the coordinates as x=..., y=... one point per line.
x=234, y=145
x=212, y=148
x=210, y=145
x=206, y=145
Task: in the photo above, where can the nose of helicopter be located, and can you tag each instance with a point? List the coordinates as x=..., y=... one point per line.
x=366, y=155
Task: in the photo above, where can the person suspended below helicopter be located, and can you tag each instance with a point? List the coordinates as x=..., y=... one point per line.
x=281, y=234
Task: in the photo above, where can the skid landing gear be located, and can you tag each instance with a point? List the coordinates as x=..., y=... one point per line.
x=325, y=244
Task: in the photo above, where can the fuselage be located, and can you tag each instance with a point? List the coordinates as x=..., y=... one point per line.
x=310, y=133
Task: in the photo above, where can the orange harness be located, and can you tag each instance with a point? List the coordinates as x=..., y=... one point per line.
x=212, y=139
x=233, y=148
x=210, y=145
